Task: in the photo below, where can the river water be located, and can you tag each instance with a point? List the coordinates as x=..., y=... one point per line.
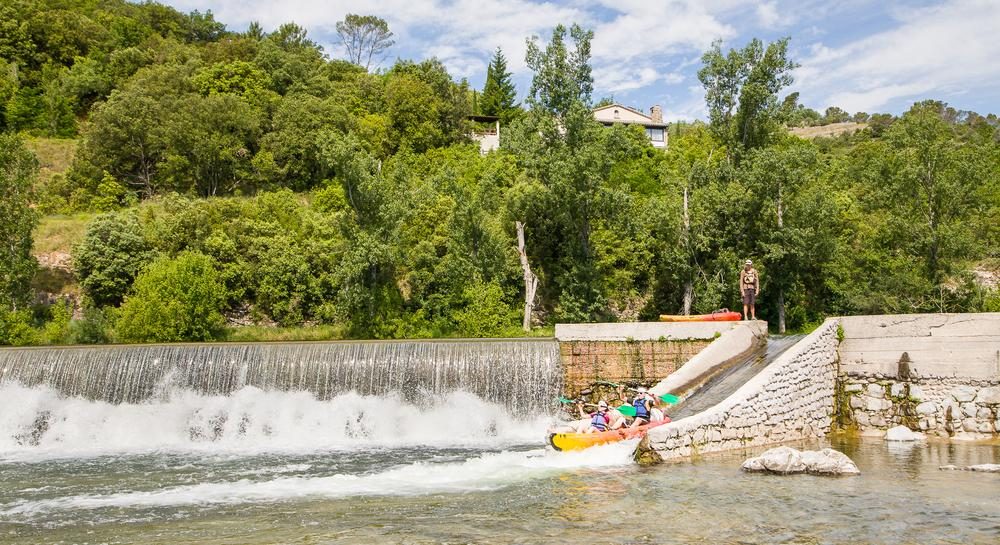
x=286, y=467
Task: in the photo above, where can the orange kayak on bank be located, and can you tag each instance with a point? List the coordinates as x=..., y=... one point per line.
x=579, y=441
x=720, y=316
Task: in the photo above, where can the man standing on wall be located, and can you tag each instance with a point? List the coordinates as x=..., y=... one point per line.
x=749, y=288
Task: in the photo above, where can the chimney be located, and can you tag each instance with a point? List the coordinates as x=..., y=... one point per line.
x=656, y=113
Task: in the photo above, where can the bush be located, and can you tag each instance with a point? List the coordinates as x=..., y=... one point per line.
x=110, y=256
x=16, y=328
x=487, y=314
x=174, y=300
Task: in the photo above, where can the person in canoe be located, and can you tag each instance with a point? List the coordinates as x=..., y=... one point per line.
x=749, y=289
x=643, y=403
x=600, y=420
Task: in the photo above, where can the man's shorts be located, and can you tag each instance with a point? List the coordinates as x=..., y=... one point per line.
x=749, y=296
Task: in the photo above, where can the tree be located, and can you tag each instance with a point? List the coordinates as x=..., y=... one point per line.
x=499, y=93
x=366, y=38
x=18, y=168
x=741, y=90
x=562, y=78
x=110, y=256
x=175, y=300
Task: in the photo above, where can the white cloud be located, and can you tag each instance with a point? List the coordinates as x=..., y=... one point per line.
x=932, y=52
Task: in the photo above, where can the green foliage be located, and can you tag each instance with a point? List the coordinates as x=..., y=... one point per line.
x=18, y=169
x=741, y=89
x=562, y=78
x=175, y=299
x=499, y=92
x=365, y=37
x=110, y=256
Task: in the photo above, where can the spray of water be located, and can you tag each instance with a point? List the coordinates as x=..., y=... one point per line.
x=40, y=422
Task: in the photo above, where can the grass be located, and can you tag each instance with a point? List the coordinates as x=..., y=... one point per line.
x=247, y=334
x=284, y=334
x=55, y=155
x=830, y=130
x=60, y=233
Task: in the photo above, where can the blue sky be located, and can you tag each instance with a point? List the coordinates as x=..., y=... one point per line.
x=860, y=55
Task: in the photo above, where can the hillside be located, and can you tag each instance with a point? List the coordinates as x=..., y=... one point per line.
x=833, y=129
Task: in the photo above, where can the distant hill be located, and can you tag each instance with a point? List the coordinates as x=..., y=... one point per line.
x=833, y=129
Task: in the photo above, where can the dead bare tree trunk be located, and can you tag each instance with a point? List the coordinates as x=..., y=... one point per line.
x=530, y=279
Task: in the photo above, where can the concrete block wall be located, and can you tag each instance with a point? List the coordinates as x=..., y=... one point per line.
x=792, y=399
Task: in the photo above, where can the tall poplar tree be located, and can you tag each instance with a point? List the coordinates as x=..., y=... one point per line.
x=17, y=266
x=499, y=93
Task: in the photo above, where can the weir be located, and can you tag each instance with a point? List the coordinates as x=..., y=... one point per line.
x=521, y=375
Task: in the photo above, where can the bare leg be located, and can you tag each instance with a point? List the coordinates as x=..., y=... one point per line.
x=753, y=312
x=744, y=313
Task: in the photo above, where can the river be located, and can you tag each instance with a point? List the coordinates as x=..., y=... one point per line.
x=455, y=469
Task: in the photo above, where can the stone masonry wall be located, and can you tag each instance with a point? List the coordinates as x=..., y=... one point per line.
x=958, y=407
x=639, y=361
x=792, y=399
x=936, y=373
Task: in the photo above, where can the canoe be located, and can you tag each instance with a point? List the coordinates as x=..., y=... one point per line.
x=579, y=441
x=722, y=316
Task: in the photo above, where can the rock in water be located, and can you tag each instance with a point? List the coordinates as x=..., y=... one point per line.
x=829, y=462
x=786, y=460
x=645, y=454
x=902, y=433
x=988, y=468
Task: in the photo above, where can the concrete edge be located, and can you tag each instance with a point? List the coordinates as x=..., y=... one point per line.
x=713, y=414
x=731, y=347
x=642, y=331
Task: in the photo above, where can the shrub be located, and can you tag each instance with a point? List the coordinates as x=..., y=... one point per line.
x=110, y=256
x=178, y=299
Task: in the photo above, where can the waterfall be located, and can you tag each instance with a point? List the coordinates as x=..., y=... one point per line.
x=521, y=375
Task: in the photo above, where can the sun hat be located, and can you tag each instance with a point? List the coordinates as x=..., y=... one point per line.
x=602, y=404
x=748, y=262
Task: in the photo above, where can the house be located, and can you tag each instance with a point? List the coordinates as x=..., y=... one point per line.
x=486, y=131
x=656, y=129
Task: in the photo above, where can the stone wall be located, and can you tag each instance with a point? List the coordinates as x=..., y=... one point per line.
x=645, y=362
x=936, y=373
x=792, y=399
x=957, y=407
x=632, y=352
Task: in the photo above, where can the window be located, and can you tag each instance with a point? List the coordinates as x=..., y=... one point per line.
x=654, y=134
x=616, y=114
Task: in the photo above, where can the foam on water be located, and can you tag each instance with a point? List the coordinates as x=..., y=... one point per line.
x=38, y=423
x=481, y=473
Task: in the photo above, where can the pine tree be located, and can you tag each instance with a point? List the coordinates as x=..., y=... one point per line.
x=499, y=92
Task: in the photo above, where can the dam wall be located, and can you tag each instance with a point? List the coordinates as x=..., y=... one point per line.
x=935, y=373
x=791, y=399
x=633, y=353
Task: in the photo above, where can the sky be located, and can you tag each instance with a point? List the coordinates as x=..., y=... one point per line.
x=859, y=55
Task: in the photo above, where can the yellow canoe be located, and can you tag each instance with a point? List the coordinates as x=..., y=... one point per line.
x=580, y=441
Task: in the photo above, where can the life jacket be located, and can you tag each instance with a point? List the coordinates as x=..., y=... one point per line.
x=749, y=278
x=640, y=407
x=599, y=421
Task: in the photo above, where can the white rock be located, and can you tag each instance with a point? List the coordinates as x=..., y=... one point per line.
x=876, y=390
x=989, y=396
x=963, y=394
x=902, y=433
x=948, y=468
x=853, y=388
x=783, y=460
x=926, y=408
x=916, y=392
x=857, y=402
x=970, y=424
x=984, y=414
x=877, y=404
x=829, y=462
x=988, y=468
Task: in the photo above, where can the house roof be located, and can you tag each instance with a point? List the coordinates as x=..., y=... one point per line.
x=646, y=122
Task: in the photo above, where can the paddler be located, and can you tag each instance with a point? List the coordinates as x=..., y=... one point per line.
x=643, y=403
x=749, y=289
x=600, y=420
